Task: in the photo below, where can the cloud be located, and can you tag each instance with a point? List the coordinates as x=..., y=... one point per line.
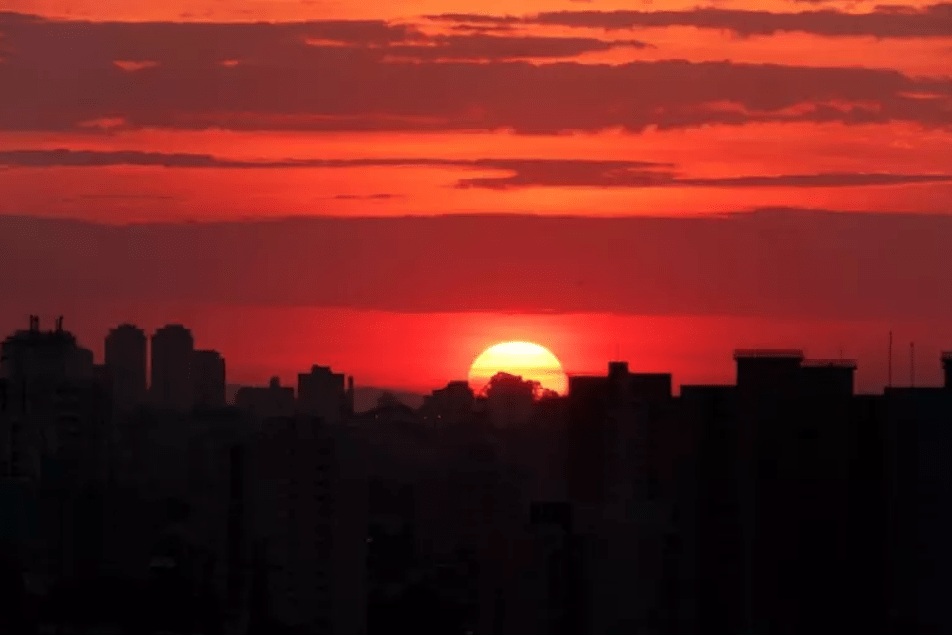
x=885, y=21
x=791, y=263
x=595, y=174
x=366, y=197
x=63, y=157
x=126, y=197
x=282, y=83
x=135, y=46
x=131, y=66
x=482, y=46
x=517, y=173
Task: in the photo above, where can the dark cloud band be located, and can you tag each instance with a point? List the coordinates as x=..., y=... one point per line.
x=791, y=263
x=521, y=172
x=376, y=76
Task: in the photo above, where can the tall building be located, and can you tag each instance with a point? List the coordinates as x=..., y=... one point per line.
x=126, y=366
x=509, y=401
x=918, y=437
x=41, y=357
x=51, y=403
x=274, y=400
x=53, y=441
x=311, y=514
x=548, y=594
x=467, y=497
x=208, y=375
x=799, y=494
x=620, y=481
x=614, y=427
x=322, y=393
x=219, y=472
x=449, y=406
x=709, y=506
x=172, y=386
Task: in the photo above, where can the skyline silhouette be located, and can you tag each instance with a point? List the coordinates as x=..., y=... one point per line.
x=909, y=366
x=465, y=317
x=782, y=501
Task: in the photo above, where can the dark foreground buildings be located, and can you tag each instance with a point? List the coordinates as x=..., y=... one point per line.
x=782, y=504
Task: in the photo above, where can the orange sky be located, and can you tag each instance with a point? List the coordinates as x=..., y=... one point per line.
x=139, y=112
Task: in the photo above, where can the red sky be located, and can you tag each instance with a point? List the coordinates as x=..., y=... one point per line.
x=740, y=173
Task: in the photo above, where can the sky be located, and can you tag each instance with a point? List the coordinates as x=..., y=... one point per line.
x=391, y=187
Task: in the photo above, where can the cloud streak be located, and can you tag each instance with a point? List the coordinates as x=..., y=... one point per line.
x=884, y=21
x=61, y=76
x=518, y=173
x=791, y=263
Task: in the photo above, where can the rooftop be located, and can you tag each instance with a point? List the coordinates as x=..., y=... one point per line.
x=768, y=353
x=846, y=364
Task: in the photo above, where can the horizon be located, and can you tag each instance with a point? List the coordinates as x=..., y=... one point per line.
x=903, y=374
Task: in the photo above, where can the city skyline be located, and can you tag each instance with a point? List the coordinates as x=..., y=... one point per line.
x=620, y=503
x=475, y=317
x=134, y=363
x=395, y=187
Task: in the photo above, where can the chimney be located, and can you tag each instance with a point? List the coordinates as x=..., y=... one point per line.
x=617, y=369
x=947, y=367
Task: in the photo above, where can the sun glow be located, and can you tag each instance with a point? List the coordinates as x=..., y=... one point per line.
x=528, y=360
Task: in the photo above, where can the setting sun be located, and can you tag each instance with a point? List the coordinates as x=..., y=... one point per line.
x=528, y=360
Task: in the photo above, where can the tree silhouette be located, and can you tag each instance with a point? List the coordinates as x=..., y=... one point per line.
x=514, y=385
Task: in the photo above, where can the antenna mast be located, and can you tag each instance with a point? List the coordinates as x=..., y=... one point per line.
x=912, y=364
x=890, y=360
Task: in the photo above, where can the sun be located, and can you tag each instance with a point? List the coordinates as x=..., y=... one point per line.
x=528, y=360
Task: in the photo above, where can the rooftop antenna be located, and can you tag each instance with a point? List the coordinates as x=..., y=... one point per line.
x=59, y=324
x=889, y=383
x=912, y=364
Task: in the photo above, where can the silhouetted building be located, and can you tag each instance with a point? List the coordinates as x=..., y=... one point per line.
x=53, y=439
x=509, y=400
x=311, y=513
x=552, y=593
x=449, y=406
x=172, y=385
x=126, y=366
x=220, y=494
x=919, y=486
x=586, y=438
x=51, y=401
x=710, y=507
x=274, y=400
x=467, y=498
x=620, y=518
x=470, y=507
x=322, y=393
x=799, y=500
x=208, y=376
x=783, y=504
x=614, y=426
x=41, y=357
